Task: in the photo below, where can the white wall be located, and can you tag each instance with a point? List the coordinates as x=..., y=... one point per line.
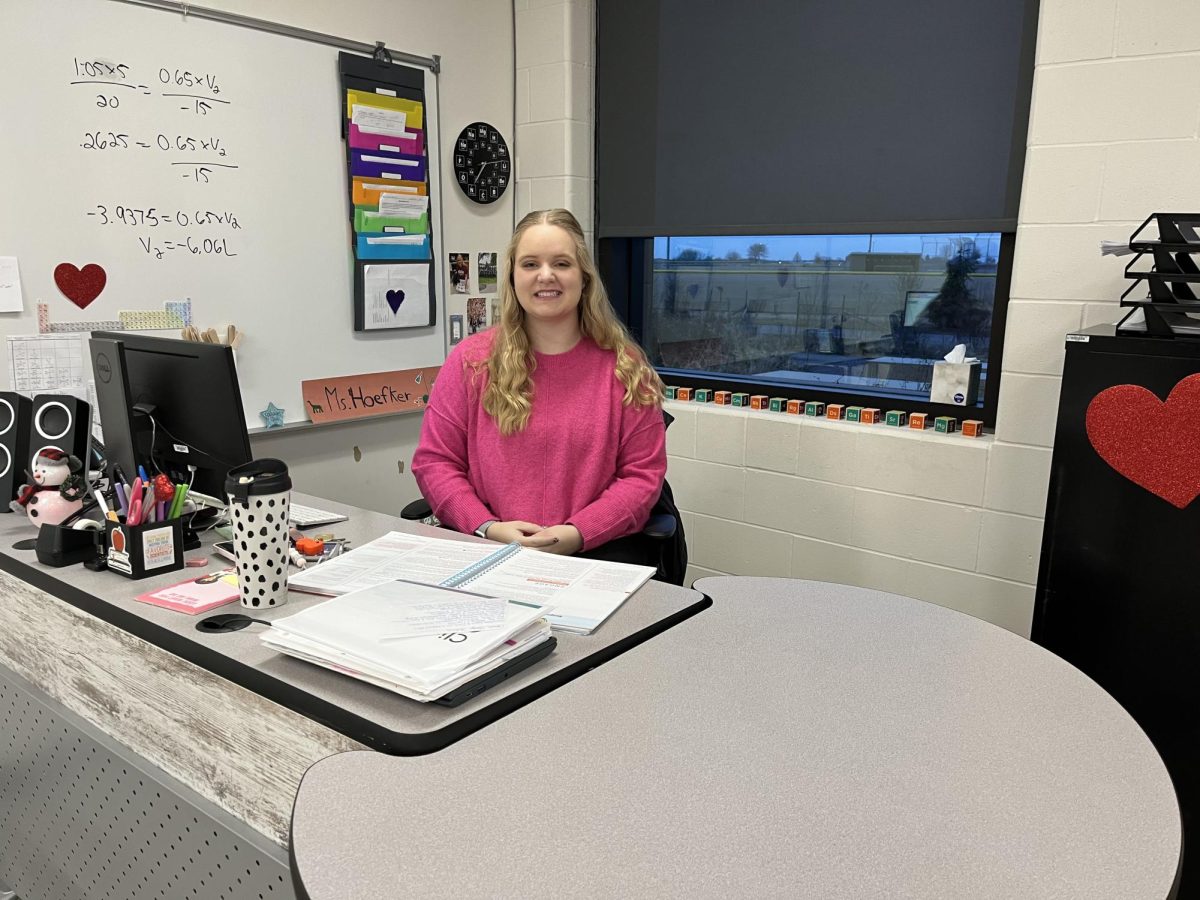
x=367, y=463
x=948, y=519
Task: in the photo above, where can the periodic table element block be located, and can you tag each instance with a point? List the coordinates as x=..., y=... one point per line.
x=972, y=428
x=835, y=411
x=760, y=401
x=684, y=394
x=671, y=391
x=723, y=398
x=897, y=418
x=853, y=413
x=795, y=407
x=918, y=421
x=180, y=308
x=703, y=395
x=149, y=320
x=741, y=399
x=945, y=424
x=814, y=408
x=72, y=327
x=870, y=416
x=779, y=404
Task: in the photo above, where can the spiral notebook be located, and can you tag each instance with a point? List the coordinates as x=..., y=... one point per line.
x=582, y=592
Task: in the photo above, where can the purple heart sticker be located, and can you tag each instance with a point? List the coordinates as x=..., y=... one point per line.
x=394, y=299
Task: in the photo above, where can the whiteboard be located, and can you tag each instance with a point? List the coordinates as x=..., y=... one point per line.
x=121, y=123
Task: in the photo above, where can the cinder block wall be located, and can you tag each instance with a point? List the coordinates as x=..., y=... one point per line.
x=947, y=519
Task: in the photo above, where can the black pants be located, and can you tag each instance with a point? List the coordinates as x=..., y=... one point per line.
x=633, y=548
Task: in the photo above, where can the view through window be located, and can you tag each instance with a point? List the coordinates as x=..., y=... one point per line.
x=867, y=313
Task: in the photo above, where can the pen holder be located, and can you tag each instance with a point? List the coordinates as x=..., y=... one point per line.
x=137, y=551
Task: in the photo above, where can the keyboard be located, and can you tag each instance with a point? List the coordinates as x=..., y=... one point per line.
x=307, y=516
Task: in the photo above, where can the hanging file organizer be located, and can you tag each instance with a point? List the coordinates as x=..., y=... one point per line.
x=384, y=127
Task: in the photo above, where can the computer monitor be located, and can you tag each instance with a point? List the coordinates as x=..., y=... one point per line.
x=168, y=404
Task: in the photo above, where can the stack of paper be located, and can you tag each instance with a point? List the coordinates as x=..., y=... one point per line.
x=418, y=640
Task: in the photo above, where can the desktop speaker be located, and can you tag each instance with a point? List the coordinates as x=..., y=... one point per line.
x=14, y=444
x=62, y=422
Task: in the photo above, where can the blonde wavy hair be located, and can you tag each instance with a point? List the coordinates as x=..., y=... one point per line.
x=508, y=397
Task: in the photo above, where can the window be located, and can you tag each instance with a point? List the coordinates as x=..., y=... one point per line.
x=855, y=170
x=831, y=317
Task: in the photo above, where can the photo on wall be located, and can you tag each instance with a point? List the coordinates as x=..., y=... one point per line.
x=456, y=329
x=460, y=272
x=487, y=273
x=495, y=312
x=476, y=314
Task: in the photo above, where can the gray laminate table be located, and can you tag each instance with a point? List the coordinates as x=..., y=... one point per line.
x=796, y=739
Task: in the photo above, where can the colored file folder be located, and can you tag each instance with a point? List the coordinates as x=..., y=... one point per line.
x=390, y=246
x=366, y=191
x=414, y=110
x=393, y=166
x=412, y=145
x=370, y=222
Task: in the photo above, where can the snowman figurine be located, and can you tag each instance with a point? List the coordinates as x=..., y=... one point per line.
x=57, y=489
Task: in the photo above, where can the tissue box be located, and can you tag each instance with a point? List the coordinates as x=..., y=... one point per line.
x=956, y=383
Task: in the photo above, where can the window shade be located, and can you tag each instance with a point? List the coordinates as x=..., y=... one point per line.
x=799, y=117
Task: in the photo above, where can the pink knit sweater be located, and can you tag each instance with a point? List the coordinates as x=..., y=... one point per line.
x=584, y=459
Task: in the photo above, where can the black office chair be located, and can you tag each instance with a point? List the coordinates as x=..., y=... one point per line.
x=664, y=528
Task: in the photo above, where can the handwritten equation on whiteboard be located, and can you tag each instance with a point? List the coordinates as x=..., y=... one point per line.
x=190, y=110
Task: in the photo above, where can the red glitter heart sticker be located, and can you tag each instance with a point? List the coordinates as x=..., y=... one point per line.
x=1150, y=442
x=80, y=286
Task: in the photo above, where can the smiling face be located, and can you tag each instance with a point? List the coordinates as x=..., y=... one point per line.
x=546, y=276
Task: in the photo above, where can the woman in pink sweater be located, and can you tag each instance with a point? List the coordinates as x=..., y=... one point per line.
x=547, y=429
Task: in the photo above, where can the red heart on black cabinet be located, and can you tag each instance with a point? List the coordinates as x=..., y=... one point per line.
x=1155, y=445
x=80, y=286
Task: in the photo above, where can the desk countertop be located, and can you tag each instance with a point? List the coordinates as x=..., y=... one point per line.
x=375, y=717
x=796, y=739
x=210, y=708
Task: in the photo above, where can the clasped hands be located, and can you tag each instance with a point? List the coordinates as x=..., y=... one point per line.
x=563, y=539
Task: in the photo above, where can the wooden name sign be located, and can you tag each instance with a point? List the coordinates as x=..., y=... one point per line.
x=363, y=396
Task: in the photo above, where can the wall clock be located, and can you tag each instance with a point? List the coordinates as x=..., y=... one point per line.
x=482, y=166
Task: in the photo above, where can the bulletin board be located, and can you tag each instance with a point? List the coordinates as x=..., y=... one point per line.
x=202, y=168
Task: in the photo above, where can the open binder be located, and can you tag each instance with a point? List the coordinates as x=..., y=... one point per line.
x=582, y=592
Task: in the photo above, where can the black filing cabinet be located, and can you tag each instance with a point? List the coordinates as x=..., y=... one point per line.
x=1118, y=592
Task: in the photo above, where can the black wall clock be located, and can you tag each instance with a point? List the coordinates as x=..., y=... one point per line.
x=482, y=167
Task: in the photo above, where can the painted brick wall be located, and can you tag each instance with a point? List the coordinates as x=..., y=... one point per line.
x=555, y=63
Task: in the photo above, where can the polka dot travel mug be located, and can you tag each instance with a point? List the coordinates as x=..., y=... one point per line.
x=259, y=494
